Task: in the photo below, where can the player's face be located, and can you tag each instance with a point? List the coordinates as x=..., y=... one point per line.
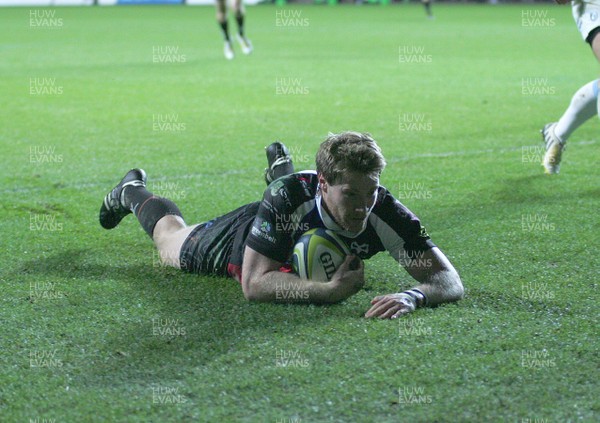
x=349, y=203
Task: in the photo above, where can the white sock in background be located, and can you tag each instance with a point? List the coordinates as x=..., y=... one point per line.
x=584, y=105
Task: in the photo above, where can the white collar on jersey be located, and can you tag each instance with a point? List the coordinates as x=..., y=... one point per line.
x=330, y=223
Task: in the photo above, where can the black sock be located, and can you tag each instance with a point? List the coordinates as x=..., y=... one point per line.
x=134, y=196
x=148, y=208
x=428, y=8
x=239, y=18
x=225, y=28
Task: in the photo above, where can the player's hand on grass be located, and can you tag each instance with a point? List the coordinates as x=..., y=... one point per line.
x=390, y=306
x=348, y=279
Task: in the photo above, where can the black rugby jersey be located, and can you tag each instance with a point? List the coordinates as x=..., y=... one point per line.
x=291, y=205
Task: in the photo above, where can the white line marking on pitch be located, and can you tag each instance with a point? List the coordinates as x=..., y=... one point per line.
x=245, y=171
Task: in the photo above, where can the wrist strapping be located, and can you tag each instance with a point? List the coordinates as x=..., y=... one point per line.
x=417, y=295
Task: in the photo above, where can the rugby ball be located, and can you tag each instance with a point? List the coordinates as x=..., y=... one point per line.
x=317, y=254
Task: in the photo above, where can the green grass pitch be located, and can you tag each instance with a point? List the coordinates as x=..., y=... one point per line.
x=93, y=329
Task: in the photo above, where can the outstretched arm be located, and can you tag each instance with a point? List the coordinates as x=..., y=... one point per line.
x=263, y=281
x=439, y=282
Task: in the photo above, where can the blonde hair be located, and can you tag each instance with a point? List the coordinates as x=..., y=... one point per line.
x=349, y=152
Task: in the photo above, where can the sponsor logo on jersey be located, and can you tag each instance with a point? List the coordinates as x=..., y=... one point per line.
x=357, y=248
x=264, y=232
x=276, y=188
